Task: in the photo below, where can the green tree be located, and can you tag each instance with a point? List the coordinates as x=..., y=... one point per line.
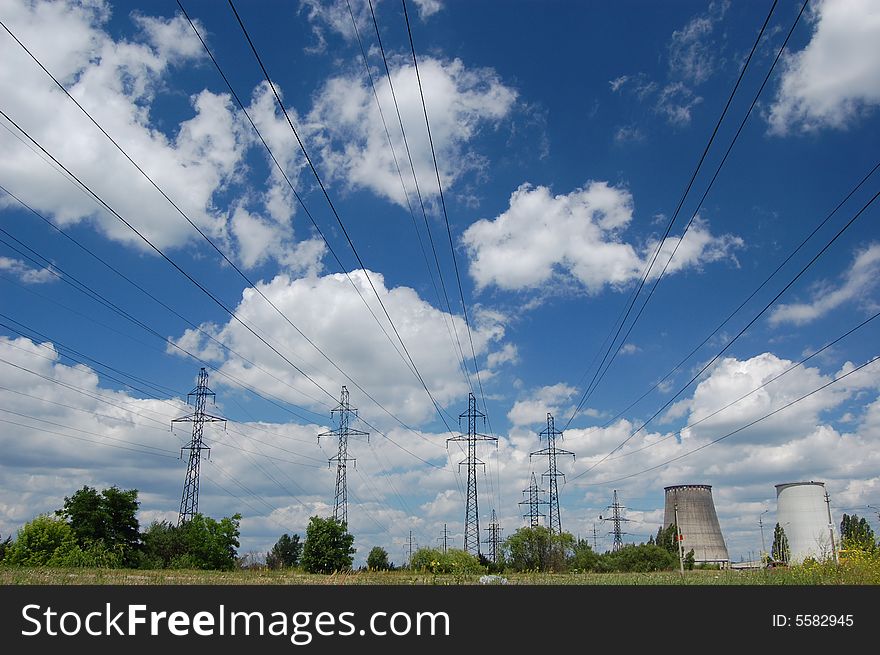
x=285, y=553
x=328, y=547
x=689, y=560
x=538, y=549
x=4, y=545
x=377, y=560
x=44, y=541
x=200, y=543
x=105, y=520
x=583, y=558
x=667, y=538
x=780, y=552
x=856, y=534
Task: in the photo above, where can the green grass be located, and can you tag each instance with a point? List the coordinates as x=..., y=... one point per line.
x=853, y=573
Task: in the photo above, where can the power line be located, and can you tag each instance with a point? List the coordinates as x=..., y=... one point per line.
x=739, y=429
x=746, y=300
x=756, y=389
x=342, y=227
x=205, y=236
x=446, y=321
x=738, y=335
x=596, y=377
x=445, y=213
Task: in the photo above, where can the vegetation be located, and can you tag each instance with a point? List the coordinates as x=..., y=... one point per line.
x=454, y=561
x=856, y=534
x=285, y=553
x=329, y=546
x=200, y=543
x=780, y=552
x=377, y=560
x=538, y=549
x=104, y=521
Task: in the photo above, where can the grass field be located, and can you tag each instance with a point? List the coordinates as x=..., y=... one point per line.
x=852, y=573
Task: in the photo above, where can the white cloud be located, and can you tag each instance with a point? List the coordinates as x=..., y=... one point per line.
x=629, y=349
x=27, y=274
x=676, y=101
x=628, y=133
x=541, y=239
x=461, y=102
x=329, y=311
x=857, y=283
x=618, y=82
x=535, y=407
x=691, y=54
x=120, y=82
x=335, y=16
x=836, y=77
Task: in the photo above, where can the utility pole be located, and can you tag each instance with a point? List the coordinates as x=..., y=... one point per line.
x=761, y=524
x=679, y=537
x=534, y=500
x=552, y=452
x=831, y=527
x=494, y=531
x=616, y=519
x=189, y=500
x=595, y=543
x=472, y=509
x=343, y=432
x=410, y=548
x=444, y=538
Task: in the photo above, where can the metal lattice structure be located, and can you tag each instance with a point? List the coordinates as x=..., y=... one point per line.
x=198, y=398
x=494, y=530
x=552, y=474
x=472, y=509
x=534, y=502
x=345, y=412
x=616, y=519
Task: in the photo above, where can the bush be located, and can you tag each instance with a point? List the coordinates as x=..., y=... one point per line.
x=200, y=543
x=432, y=560
x=44, y=541
x=643, y=558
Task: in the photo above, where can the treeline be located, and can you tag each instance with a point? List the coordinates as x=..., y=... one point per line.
x=101, y=530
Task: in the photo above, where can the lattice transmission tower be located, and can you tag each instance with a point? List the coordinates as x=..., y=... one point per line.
x=345, y=413
x=534, y=501
x=472, y=510
x=494, y=531
x=552, y=452
x=198, y=398
x=616, y=519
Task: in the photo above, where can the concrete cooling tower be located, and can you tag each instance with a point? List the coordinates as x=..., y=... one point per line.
x=805, y=516
x=697, y=521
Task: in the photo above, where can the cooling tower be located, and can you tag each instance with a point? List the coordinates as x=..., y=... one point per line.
x=802, y=512
x=697, y=521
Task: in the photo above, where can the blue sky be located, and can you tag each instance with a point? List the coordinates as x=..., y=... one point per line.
x=565, y=135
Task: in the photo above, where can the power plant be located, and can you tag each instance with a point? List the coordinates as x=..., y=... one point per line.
x=690, y=506
x=803, y=511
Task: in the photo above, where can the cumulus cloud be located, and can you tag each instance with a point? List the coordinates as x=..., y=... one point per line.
x=461, y=102
x=836, y=77
x=27, y=274
x=330, y=311
x=120, y=82
x=857, y=283
x=535, y=407
x=541, y=238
